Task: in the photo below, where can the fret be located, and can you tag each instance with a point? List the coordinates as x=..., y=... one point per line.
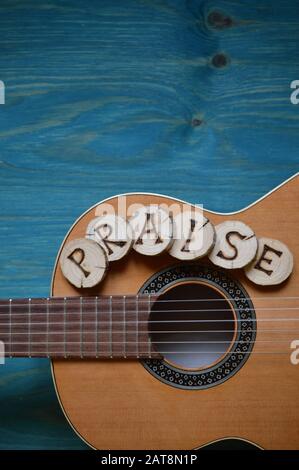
x=47, y=326
x=124, y=325
x=37, y=327
x=89, y=341
x=96, y=326
x=117, y=326
x=56, y=327
x=137, y=327
x=81, y=330
x=148, y=336
x=29, y=327
x=128, y=333
x=110, y=327
x=64, y=328
x=73, y=327
x=142, y=326
x=104, y=331
x=10, y=328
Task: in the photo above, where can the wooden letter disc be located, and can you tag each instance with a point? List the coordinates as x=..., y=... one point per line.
x=272, y=265
x=113, y=233
x=83, y=262
x=152, y=230
x=235, y=247
x=193, y=235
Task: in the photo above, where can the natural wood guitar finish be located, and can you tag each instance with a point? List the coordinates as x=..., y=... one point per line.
x=117, y=404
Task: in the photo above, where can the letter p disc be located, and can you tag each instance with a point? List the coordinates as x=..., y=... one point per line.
x=83, y=262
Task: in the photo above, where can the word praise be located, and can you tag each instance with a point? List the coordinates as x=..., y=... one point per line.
x=185, y=235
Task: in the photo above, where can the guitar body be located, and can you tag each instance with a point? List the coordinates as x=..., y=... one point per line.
x=120, y=404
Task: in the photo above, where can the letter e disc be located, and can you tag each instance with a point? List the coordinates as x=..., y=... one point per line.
x=272, y=265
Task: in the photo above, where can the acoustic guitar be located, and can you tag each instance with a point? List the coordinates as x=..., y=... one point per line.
x=170, y=326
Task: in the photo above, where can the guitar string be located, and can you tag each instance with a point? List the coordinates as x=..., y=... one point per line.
x=141, y=298
x=92, y=332
x=108, y=355
x=156, y=331
x=154, y=342
x=207, y=310
x=238, y=320
x=134, y=342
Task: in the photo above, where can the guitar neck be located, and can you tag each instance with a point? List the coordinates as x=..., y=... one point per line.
x=77, y=327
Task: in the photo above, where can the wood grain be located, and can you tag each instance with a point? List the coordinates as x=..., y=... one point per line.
x=189, y=99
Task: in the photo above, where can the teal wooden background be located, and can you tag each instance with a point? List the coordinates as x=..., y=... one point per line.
x=189, y=98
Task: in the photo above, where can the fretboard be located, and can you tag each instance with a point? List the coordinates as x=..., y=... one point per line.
x=77, y=327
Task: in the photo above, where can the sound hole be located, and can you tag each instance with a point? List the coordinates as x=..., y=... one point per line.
x=192, y=325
